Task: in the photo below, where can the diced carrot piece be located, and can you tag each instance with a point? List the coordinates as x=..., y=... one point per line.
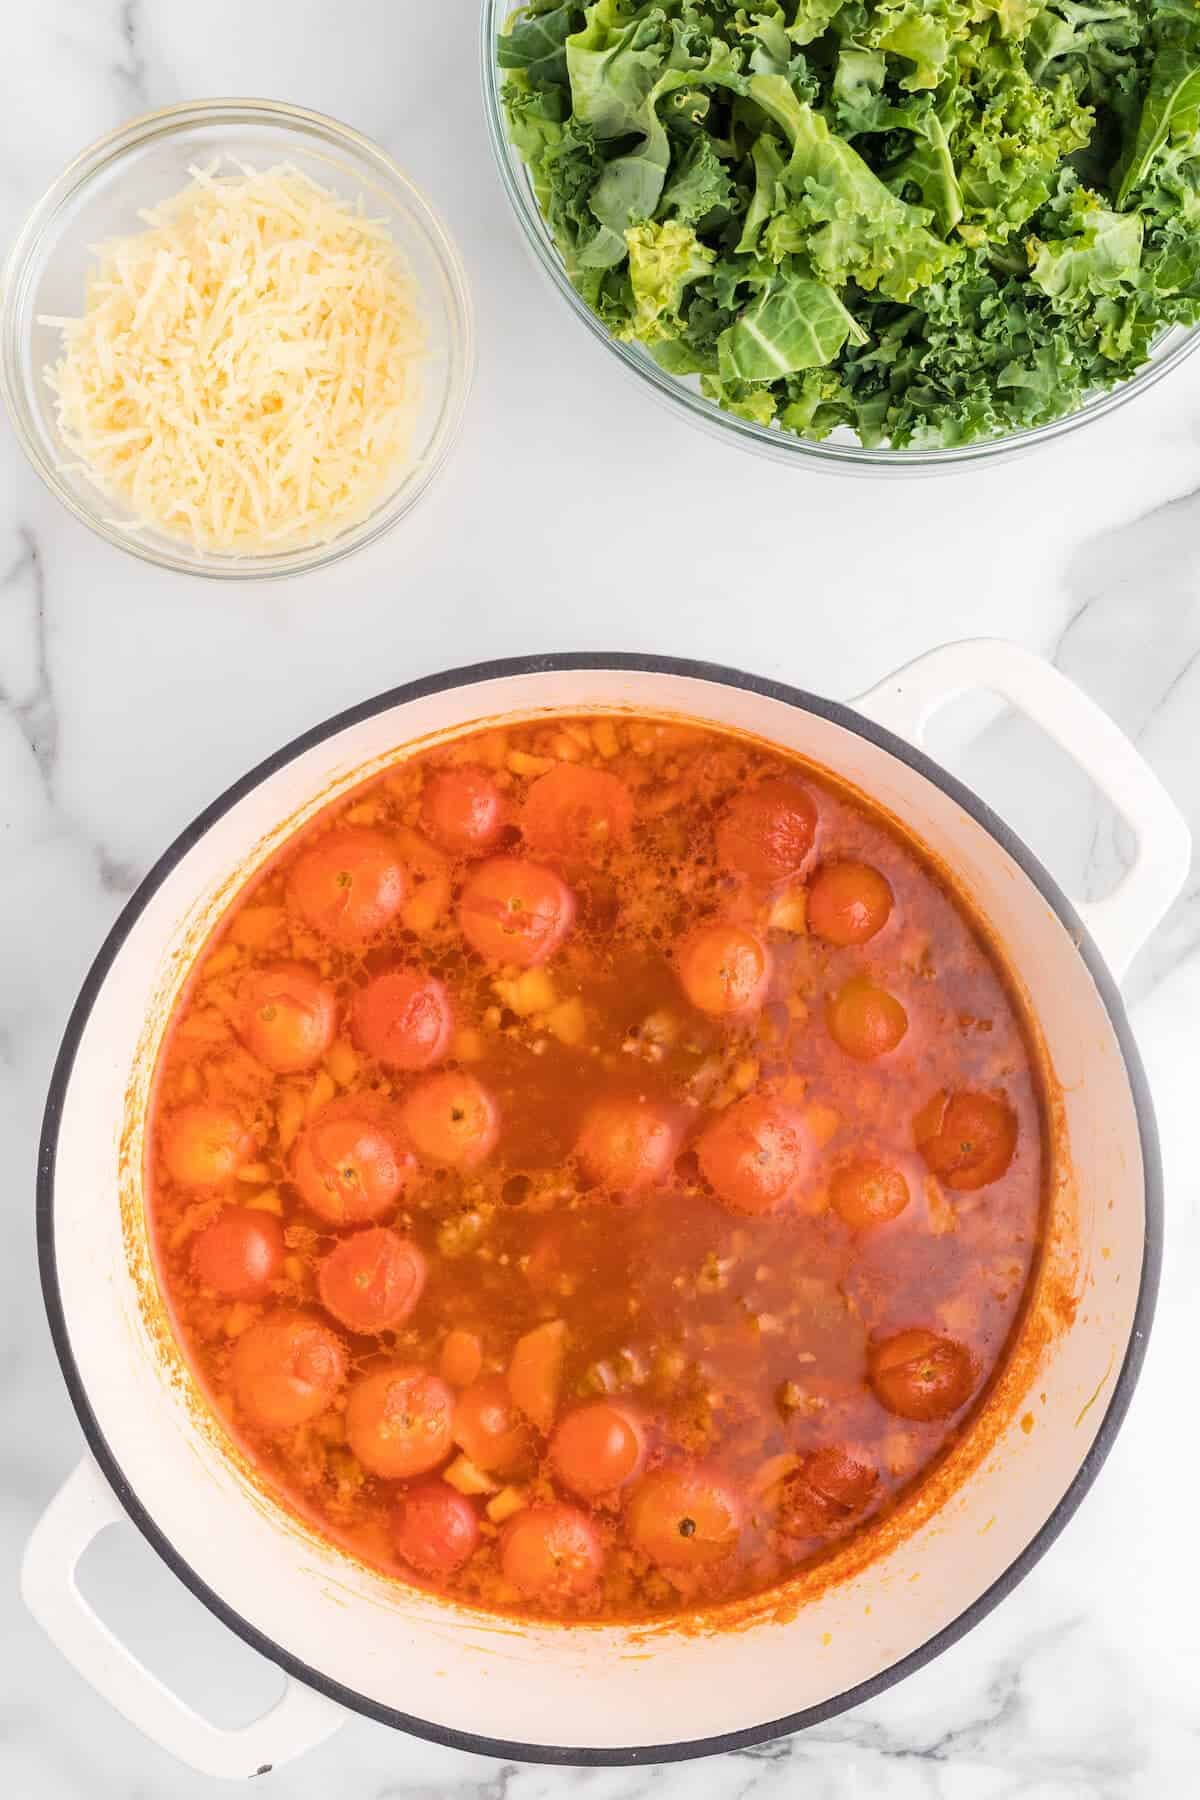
x=900, y=1455
x=464, y=1475
x=307, y=947
x=790, y=912
x=204, y=1025
x=568, y=1021
x=604, y=736
x=342, y=1062
x=821, y=1122
x=770, y=1473
x=521, y=763
x=508, y=1501
x=405, y=781
x=267, y=1201
x=530, y=992
x=646, y=735
x=490, y=749
x=744, y=1074
x=461, y=1358
x=193, y=1219
x=536, y=1370
x=320, y=1093
x=740, y=1080
x=942, y=1216
x=427, y=903
x=429, y=876
x=289, y=1116
x=220, y=995
x=254, y=1174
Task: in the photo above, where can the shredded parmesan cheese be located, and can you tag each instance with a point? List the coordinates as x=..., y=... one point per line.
x=246, y=374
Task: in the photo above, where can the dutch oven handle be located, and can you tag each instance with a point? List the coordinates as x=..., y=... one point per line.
x=1120, y=924
x=83, y=1507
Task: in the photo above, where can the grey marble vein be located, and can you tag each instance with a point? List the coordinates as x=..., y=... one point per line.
x=25, y=684
x=131, y=71
x=1133, y=641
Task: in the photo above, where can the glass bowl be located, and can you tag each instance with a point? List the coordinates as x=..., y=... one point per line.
x=840, y=453
x=142, y=164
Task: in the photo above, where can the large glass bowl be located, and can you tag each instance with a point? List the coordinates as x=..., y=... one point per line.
x=143, y=163
x=839, y=452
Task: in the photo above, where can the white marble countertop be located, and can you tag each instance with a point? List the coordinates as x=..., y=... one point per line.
x=129, y=698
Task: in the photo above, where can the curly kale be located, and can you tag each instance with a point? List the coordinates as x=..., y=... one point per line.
x=920, y=221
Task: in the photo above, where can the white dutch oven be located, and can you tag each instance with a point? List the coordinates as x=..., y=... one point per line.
x=349, y=1639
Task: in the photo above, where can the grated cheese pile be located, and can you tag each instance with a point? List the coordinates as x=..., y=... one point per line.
x=247, y=371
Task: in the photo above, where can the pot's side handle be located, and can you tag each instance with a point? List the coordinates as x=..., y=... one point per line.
x=81, y=1509
x=906, y=701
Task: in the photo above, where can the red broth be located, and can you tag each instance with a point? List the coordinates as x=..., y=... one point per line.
x=597, y=1168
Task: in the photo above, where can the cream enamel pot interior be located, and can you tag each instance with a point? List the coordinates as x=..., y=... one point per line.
x=349, y=1639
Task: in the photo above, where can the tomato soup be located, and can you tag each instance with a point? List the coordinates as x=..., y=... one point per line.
x=596, y=1168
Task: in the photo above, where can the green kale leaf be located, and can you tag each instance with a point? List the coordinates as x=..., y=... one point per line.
x=1170, y=109
x=841, y=215
x=663, y=260
x=1099, y=254
x=536, y=43
x=795, y=323
x=912, y=221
